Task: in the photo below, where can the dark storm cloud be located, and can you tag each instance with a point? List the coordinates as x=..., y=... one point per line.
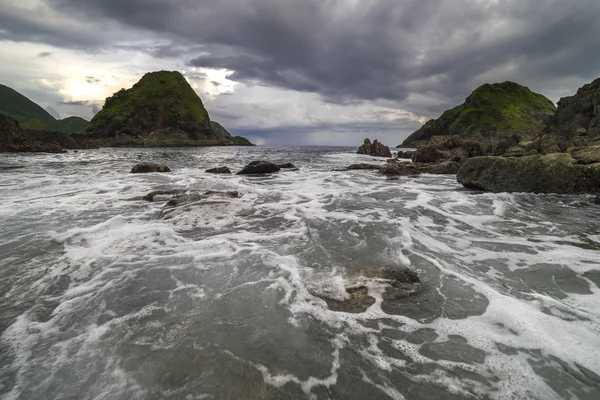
x=345, y=49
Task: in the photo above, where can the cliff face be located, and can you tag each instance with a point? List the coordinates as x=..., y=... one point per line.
x=491, y=112
x=576, y=122
x=13, y=138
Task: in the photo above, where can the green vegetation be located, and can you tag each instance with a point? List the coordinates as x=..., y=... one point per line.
x=160, y=104
x=19, y=107
x=492, y=112
x=33, y=117
x=70, y=125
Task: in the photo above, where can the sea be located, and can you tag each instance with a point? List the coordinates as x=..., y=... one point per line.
x=107, y=296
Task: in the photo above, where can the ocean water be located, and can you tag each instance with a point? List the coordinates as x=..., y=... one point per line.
x=107, y=296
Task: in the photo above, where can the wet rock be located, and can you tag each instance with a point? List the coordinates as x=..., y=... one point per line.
x=448, y=148
x=154, y=196
x=363, y=166
x=219, y=170
x=359, y=301
x=375, y=149
x=429, y=154
x=405, y=154
x=259, y=167
x=597, y=199
x=445, y=168
x=147, y=167
x=287, y=166
x=552, y=173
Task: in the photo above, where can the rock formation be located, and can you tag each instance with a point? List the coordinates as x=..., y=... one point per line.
x=259, y=167
x=146, y=167
x=161, y=109
x=375, y=149
x=552, y=173
x=219, y=170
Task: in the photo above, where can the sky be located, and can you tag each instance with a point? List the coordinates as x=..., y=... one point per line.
x=304, y=72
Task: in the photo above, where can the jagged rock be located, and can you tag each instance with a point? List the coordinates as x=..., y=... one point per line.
x=146, y=167
x=553, y=173
x=375, y=149
x=358, y=302
x=219, y=170
x=363, y=166
x=576, y=122
x=259, y=167
x=406, y=154
x=287, y=166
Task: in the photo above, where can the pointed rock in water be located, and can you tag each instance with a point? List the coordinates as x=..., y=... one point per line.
x=147, y=167
x=259, y=167
x=375, y=149
x=219, y=170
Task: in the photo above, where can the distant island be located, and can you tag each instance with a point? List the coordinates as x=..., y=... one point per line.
x=161, y=110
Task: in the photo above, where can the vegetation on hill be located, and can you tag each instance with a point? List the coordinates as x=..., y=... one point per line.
x=161, y=104
x=19, y=107
x=491, y=112
x=33, y=117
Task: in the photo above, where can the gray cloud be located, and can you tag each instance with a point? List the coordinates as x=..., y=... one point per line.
x=44, y=54
x=91, y=80
x=423, y=55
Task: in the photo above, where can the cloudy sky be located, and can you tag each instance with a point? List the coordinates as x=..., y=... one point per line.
x=300, y=71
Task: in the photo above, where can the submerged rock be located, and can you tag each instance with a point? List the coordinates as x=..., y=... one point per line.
x=146, y=167
x=259, y=167
x=219, y=170
x=375, y=149
x=359, y=301
x=553, y=173
x=402, y=281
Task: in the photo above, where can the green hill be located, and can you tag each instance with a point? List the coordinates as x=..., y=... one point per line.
x=491, y=112
x=70, y=125
x=33, y=117
x=19, y=107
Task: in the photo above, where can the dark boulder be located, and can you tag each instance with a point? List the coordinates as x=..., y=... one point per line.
x=444, y=168
x=259, y=167
x=146, y=167
x=375, y=149
x=552, y=173
x=363, y=166
x=429, y=154
x=219, y=170
x=597, y=199
x=358, y=302
x=400, y=169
